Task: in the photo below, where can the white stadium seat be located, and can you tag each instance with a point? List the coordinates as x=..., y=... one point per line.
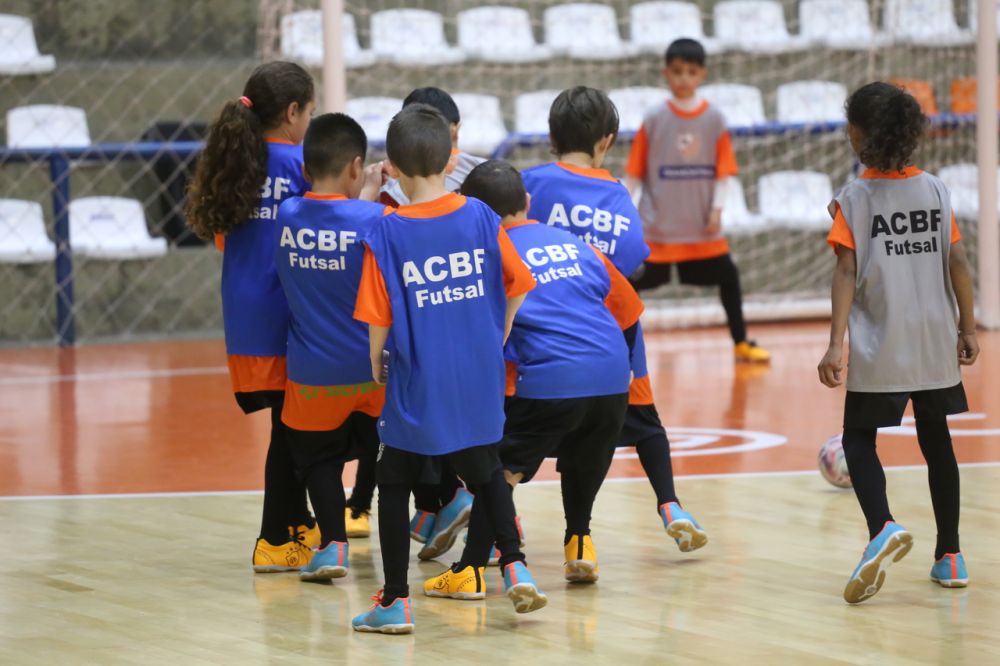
x=374, y=114
x=810, y=102
x=18, y=50
x=924, y=22
x=839, y=24
x=302, y=39
x=742, y=105
x=757, y=26
x=586, y=32
x=47, y=126
x=412, y=37
x=634, y=103
x=656, y=24
x=22, y=233
x=736, y=216
x=531, y=111
x=962, y=181
x=482, y=127
x=499, y=34
x=796, y=199
x=111, y=228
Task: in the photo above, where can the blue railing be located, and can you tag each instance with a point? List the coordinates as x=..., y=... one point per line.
x=61, y=159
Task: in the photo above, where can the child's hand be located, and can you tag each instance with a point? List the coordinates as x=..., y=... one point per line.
x=968, y=348
x=713, y=224
x=831, y=366
x=374, y=175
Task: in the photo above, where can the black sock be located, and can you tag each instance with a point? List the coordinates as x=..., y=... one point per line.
x=578, y=495
x=942, y=476
x=654, y=455
x=282, y=488
x=327, y=492
x=867, y=477
x=364, y=485
x=394, y=540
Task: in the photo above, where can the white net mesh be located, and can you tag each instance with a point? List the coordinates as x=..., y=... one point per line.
x=93, y=72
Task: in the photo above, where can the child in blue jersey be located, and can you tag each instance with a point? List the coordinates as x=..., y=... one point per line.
x=576, y=194
x=572, y=376
x=331, y=403
x=252, y=162
x=442, y=277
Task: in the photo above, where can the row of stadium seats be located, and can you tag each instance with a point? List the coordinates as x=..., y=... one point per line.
x=586, y=31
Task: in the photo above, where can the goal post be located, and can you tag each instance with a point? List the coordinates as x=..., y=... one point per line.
x=986, y=141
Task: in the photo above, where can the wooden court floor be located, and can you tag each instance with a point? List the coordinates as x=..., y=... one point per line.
x=129, y=495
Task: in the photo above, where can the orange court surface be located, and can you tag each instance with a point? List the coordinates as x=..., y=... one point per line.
x=130, y=486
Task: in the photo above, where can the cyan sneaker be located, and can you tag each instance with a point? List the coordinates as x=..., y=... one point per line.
x=890, y=545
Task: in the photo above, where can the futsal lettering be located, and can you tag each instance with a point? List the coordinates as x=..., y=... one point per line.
x=322, y=240
x=583, y=216
x=440, y=268
x=908, y=224
x=548, y=255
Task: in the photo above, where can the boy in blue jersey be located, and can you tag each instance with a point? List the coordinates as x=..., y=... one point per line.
x=572, y=376
x=576, y=194
x=442, y=277
x=330, y=401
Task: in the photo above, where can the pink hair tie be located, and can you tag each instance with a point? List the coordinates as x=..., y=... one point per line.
x=245, y=101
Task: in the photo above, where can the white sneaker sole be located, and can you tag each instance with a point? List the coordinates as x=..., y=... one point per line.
x=951, y=582
x=273, y=568
x=869, y=579
x=443, y=541
x=324, y=573
x=526, y=598
x=385, y=629
x=687, y=536
x=581, y=571
x=462, y=596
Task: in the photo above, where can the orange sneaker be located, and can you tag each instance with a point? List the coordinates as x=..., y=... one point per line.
x=749, y=352
x=309, y=536
x=289, y=556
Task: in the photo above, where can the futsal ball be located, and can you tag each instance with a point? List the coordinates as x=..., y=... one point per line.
x=832, y=464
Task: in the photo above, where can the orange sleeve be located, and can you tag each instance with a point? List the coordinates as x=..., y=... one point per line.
x=517, y=278
x=637, y=156
x=220, y=242
x=840, y=233
x=511, y=378
x=956, y=235
x=373, y=306
x=725, y=158
x=622, y=300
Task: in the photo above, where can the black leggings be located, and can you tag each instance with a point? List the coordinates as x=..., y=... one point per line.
x=868, y=479
x=717, y=271
x=284, y=492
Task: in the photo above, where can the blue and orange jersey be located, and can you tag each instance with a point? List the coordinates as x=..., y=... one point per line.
x=567, y=337
x=438, y=274
x=592, y=204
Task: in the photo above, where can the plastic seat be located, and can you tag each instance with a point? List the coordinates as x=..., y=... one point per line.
x=634, y=103
x=924, y=22
x=413, y=37
x=499, y=34
x=18, y=50
x=796, y=199
x=839, y=24
x=811, y=102
x=46, y=126
x=742, y=105
x=656, y=24
x=111, y=228
x=483, y=128
x=756, y=26
x=531, y=111
x=963, y=95
x=302, y=39
x=736, y=216
x=374, y=114
x=922, y=91
x=585, y=32
x=22, y=233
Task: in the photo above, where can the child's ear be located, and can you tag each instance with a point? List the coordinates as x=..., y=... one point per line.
x=390, y=169
x=527, y=203
x=357, y=168
x=292, y=112
x=305, y=174
x=454, y=133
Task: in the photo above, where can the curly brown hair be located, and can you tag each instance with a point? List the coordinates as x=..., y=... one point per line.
x=232, y=168
x=890, y=122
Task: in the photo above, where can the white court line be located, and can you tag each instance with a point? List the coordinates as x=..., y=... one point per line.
x=547, y=482
x=114, y=375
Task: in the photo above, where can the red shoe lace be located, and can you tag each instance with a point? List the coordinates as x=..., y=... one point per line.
x=377, y=598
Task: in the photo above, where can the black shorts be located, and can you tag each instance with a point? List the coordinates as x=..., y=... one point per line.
x=698, y=272
x=641, y=423
x=253, y=401
x=398, y=467
x=578, y=431
x=884, y=410
x=357, y=437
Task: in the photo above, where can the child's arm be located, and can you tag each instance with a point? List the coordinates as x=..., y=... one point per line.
x=842, y=295
x=374, y=179
x=517, y=280
x=377, y=335
x=961, y=283
x=632, y=184
x=713, y=224
x=512, y=306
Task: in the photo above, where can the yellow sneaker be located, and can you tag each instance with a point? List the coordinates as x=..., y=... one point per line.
x=309, y=536
x=749, y=351
x=466, y=584
x=357, y=528
x=581, y=560
x=289, y=556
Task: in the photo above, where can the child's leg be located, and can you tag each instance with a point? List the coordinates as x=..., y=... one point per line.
x=284, y=493
x=448, y=485
x=652, y=276
x=719, y=271
x=394, y=539
x=942, y=476
x=364, y=482
x=427, y=498
x=867, y=476
x=644, y=430
x=493, y=505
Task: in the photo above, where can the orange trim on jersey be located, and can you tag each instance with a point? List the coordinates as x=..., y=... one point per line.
x=444, y=204
x=622, y=300
x=511, y=378
x=514, y=224
x=640, y=391
x=725, y=158
x=672, y=253
x=688, y=115
x=599, y=174
x=257, y=373
x=517, y=278
x=872, y=173
x=373, y=305
x=638, y=155
x=840, y=232
x=320, y=408
x=956, y=235
x=283, y=142
x=220, y=242
x=325, y=197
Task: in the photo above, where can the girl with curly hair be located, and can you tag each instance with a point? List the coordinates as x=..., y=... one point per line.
x=901, y=274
